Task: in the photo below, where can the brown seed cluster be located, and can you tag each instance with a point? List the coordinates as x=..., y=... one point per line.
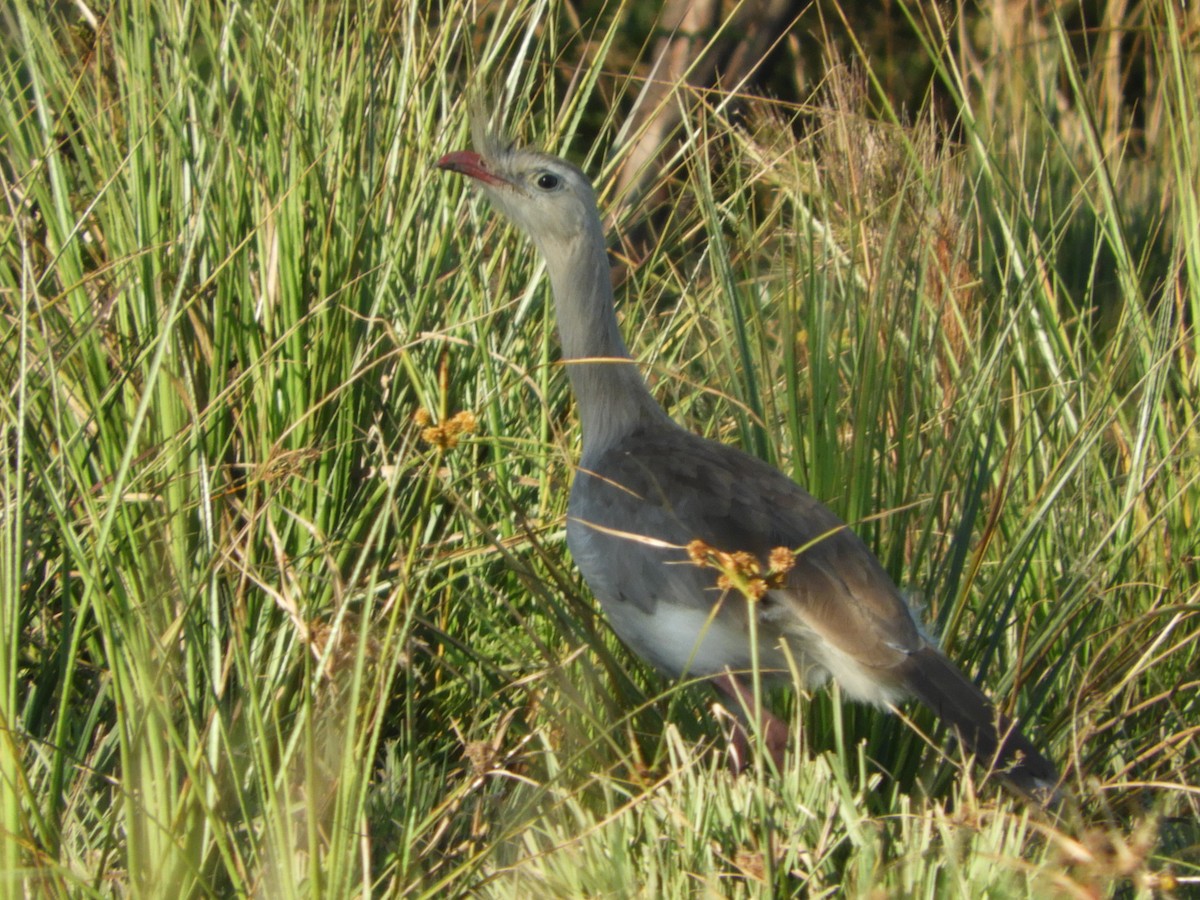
x=742, y=571
x=445, y=435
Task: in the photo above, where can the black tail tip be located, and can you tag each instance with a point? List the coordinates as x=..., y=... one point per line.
x=1031, y=775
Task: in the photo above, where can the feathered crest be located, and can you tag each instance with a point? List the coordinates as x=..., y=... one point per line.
x=489, y=142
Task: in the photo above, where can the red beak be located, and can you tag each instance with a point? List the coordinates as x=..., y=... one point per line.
x=467, y=162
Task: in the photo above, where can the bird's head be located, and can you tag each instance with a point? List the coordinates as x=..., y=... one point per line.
x=547, y=197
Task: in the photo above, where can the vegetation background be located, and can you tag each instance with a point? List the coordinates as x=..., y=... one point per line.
x=284, y=603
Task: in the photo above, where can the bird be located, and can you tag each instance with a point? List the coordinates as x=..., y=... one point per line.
x=708, y=562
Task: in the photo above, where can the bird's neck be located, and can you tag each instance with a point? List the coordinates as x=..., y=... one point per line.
x=610, y=392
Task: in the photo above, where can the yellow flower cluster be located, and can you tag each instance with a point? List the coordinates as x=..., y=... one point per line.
x=742, y=571
x=445, y=435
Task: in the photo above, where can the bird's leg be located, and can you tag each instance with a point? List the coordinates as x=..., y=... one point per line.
x=771, y=727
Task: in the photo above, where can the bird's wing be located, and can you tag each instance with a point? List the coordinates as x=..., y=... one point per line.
x=645, y=499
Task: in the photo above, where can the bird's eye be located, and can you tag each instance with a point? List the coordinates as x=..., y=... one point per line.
x=548, y=181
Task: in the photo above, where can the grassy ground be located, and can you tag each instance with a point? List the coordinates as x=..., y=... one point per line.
x=285, y=605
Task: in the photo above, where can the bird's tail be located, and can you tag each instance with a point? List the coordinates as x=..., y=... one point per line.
x=994, y=740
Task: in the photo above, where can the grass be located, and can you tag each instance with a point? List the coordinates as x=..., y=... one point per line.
x=271, y=628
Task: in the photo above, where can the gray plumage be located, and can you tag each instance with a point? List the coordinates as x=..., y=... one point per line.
x=646, y=489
